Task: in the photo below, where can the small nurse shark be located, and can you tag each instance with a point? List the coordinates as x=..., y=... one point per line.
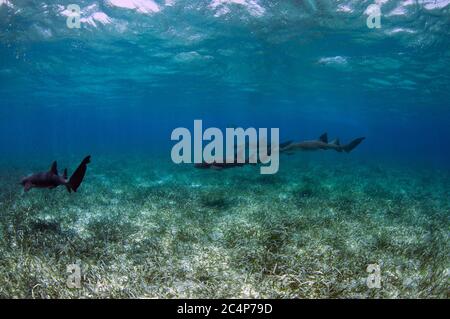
x=321, y=144
x=52, y=179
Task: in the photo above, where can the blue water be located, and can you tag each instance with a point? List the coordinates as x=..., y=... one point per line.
x=137, y=69
x=125, y=81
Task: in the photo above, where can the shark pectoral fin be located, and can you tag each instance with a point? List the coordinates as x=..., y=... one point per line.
x=324, y=138
x=27, y=186
x=54, y=168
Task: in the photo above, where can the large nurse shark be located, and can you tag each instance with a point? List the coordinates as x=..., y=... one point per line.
x=321, y=144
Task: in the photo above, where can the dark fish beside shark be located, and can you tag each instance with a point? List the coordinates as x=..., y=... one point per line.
x=52, y=179
x=219, y=166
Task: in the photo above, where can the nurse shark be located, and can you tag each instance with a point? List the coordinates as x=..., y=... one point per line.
x=321, y=144
x=52, y=179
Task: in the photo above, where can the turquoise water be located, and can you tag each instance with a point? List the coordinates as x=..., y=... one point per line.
x=142, y=226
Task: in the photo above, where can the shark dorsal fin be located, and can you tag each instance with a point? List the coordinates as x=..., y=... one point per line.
x=54, y=168
x=324, y=138
x=336, y=142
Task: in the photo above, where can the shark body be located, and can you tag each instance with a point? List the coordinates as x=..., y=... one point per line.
x=321, y=144
x=52, y=179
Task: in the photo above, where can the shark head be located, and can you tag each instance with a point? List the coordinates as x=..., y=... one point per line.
x=25, y=180
x=26, y=183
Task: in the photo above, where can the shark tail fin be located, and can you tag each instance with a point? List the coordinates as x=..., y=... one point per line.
x=78, y=176
x=324, y=138
x=350, y=146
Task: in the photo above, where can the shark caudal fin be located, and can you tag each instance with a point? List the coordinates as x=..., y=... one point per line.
x=78, y=176
x=350, y=146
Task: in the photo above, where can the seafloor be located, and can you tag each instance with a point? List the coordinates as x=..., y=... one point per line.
x=142, y=227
